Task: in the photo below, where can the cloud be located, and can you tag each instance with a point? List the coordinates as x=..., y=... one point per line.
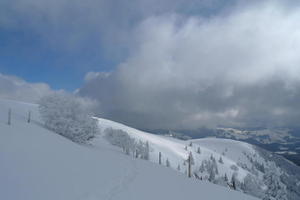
x=100, y=26
x=14, y=88
x=237, y=68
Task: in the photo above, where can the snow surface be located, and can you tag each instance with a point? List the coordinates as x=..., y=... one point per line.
x=174, y=149
x=36, y=164
x=251, y=167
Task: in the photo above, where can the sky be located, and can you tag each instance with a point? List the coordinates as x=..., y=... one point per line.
x=171, y=64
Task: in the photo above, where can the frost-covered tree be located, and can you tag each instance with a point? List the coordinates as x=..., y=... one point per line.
x=129, y=145
x=68, y=116
x=147, y=151
x=252, y=185
x=143, y=149
x=225, y=178
x=234, y=167
x=276, y=189
x=221, y=160
x=233, y=181
x=168, y=164
x=192, y=160
x=202, y=168
x=212, y=158
x=212, y=175
x=121, y=139
x=198, y=150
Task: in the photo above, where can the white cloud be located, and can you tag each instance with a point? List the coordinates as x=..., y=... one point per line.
x=14, y=88
x=184, y=71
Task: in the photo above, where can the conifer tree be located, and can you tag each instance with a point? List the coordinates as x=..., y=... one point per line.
x=198, y=150
x=233, y=182
x=225, y=177
x=221, y=160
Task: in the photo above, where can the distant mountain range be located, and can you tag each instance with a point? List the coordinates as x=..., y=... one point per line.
x=282, y=141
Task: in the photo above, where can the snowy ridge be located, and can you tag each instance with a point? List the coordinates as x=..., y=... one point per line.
x=251, y=167
x=37, y=164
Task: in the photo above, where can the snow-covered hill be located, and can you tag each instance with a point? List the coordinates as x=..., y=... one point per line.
x=264, y=136
x=255, y=171
x=37, y=164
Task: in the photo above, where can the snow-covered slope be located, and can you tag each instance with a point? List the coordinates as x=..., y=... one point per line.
x=36, y=164
x=255, y=171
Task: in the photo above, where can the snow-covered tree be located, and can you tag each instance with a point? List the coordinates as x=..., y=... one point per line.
x=276, y=189
x=225, y=178
x=192, y=160
x=202, y=168
x=198, y=150
x=68, y=116
x=121, y=139
x=221, y=160
x=143, y=149
x=147, y=151
x=234, y=168
x=252, y=185
x=233, y=181
x=129, y=145
x=212, y=175
x=168, y=164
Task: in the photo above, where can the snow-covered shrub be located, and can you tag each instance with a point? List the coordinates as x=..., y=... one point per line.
x=209, y=169
x=129, y=145
x=276, y=189
x=68, y=116
x=234, y=168
x=121, y=139
x=221, y=160
x=252, y=185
